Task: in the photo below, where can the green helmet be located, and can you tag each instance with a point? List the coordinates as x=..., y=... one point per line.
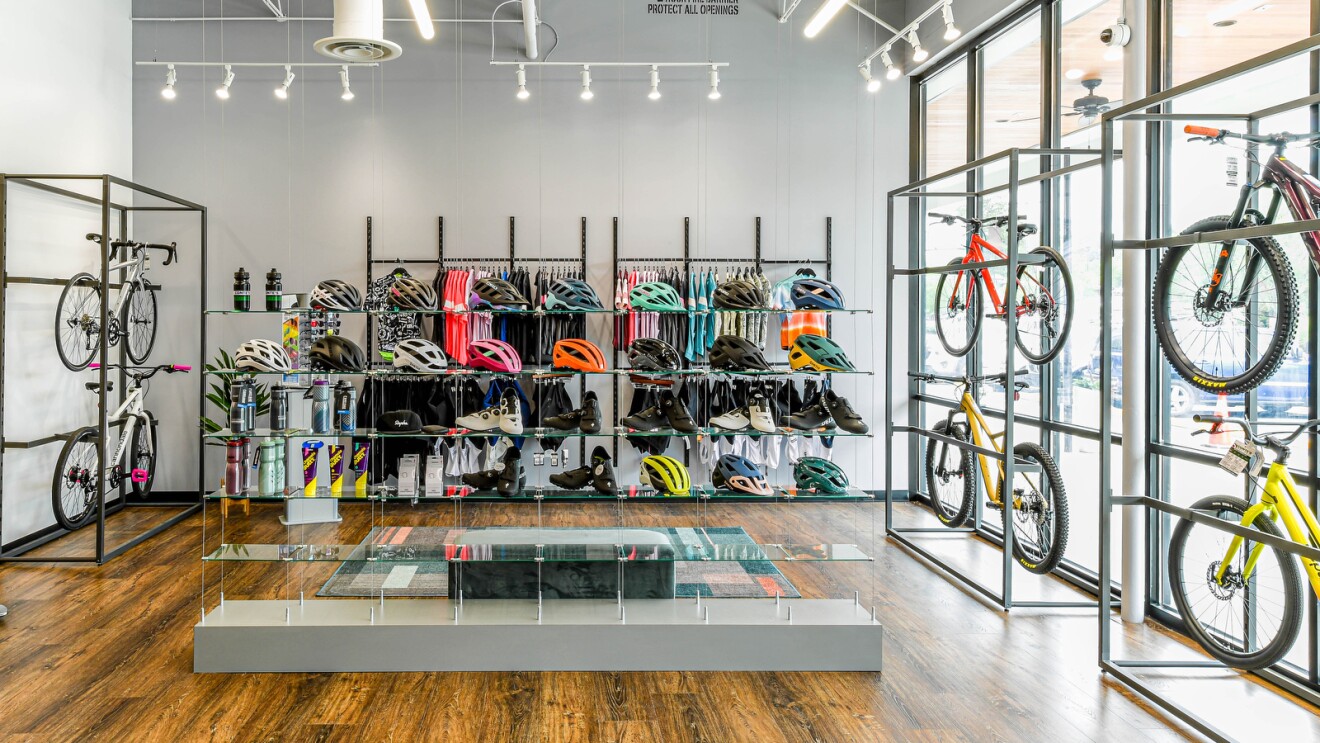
x=656, y=296
x=820, y=475
x=818, y=353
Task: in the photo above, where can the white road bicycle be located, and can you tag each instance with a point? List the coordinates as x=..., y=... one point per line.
x=78, y=470
x=133, y=316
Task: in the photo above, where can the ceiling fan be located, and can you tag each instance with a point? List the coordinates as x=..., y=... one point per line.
x=1088, y=107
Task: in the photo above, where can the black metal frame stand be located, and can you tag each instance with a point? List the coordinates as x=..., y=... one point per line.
x=107, y=205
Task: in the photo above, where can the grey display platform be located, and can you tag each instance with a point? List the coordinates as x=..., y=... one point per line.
x=506, y=635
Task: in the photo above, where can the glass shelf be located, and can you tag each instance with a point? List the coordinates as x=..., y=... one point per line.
x=456, y=491
x=539, y=371
x=528, y=433
x=613, y=553
x=540, y=311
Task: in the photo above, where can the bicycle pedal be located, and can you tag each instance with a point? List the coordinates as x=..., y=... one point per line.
x=139, y=476
x=993, y=506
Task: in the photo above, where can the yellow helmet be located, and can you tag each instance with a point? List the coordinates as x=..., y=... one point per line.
x=818, y=353
x=666, y=474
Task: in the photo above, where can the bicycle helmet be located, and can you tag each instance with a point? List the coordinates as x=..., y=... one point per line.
x=820, y=475
x=737, y=353
x=498, y=293
x=739, y=294
x=653, y=354
x=811, y=293
x=493, y=355
x=336, y=295
x=572, y=294
x=819, y=353
x=407, y=293
x=666, y=474
x=655, y=296
x=739, y=475
x=420, y=355
x=579, y=355
x=261, y=355
x=337, y=353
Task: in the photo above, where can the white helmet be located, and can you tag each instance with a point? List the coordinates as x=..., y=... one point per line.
x=420, y=355
x=261, y=355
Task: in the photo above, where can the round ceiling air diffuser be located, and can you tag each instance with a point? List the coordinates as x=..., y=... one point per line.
x=359, y=33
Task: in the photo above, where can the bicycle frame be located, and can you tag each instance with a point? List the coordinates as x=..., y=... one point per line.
x=983, y=436
x=130, y=411
x=976, y=248
x=1279, y=500
x=137, y=268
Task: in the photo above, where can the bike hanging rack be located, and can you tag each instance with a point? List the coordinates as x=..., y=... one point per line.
x=118, y=226
x=1125, y=669
x=1046, y=165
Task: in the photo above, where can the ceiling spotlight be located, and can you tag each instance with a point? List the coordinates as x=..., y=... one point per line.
x=872, y=84
x=521, y=78
x=823, y=15
x=1074, y=73
x=951, y=32
x=171, y=77
x=655, y=84
x=891, y=72
x=343, y=80
x=586, y=94
x=222, y=92
x=282, y=92
x=714, y=93
x=918, y=54
x=421, y=14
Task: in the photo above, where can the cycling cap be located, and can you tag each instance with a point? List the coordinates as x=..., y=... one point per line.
x=653, y=354
x=493, y=355
x=261, y=355
x=337, y=353
x=572, y=294
x=655, y=296
x=499, y=293
x=739, y=294
x=819, y=353
x=420, y=355
x=737, y=353
x=739, y=474
x=336, y=295
x=820, y=475
x=811, y=293
x=579, y=355
x=666, y=474
x=399, y=421
x=408, y=293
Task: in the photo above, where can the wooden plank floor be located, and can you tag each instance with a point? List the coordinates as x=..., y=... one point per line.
x=106, y=653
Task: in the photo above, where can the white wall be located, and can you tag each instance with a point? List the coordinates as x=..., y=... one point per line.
x=66, y=98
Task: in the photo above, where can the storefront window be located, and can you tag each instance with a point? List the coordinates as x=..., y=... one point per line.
x=1209, y=35
x=945, y=95
x=1010, y=85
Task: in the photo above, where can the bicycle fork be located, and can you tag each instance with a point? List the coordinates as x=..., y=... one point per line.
x=1226, y=249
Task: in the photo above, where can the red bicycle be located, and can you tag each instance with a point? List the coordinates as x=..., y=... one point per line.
x=1041, y=301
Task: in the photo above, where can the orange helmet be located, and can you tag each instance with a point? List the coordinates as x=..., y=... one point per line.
x=579, y=355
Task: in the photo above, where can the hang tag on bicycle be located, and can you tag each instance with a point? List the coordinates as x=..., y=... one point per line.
x=1241, y=457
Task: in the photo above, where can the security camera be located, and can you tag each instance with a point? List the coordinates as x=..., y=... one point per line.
x=1117, y=35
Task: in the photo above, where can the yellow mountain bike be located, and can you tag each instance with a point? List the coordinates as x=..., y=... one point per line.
x=1242, y=600
x=1040, y=505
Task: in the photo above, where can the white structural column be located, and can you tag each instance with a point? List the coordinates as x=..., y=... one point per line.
x=1137, y=392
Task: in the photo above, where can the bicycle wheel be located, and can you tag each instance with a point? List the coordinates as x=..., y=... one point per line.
x=1246, y=622
x=1240, y=341
x=73, y=490
x=950, y=476
x=142, y=453
x=78, y=321
x=139, y=322
x=1039, y=508
x=958, y=310
x=1044, y=306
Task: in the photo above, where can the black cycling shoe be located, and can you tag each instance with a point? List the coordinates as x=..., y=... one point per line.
x=483, y=480
x=677, y=414
x=575, y=479
x=811, y=417
x=511, y=478
x=589, y=420
x=647, y=420
x=602, y=472
x=842, y=413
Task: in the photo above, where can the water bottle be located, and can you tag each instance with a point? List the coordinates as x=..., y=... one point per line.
x=274, y=291
x=242, y=290
x=270, y=475
x=321, y=406
x=249, y=464
x=345, y=407
x=249, y=405
x=279, y=407
x=236, y=414
x=233, y=467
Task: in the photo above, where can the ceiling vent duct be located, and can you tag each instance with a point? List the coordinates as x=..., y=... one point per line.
x=359, y=33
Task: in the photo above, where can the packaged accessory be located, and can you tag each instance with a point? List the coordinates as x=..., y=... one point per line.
x=408, y=464
x=360, y=451
x=435, y=477
x=336, y=470
x=310, y=450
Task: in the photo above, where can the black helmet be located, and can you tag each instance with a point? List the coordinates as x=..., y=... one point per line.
x=737, y=353
x=739, y=294
x=573, y=294
x=499, y=293
x=337, y=353
x=811, y=293
x=653, y=354
x=336, y=295
x=408, y=293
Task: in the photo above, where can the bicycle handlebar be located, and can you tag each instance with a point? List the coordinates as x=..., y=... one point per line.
x=171, y=250
x=1263, y=440
x=1277, y=140
x=1001, y=378
x=144, y=372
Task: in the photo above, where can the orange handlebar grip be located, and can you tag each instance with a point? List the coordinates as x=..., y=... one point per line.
x=1204, y=131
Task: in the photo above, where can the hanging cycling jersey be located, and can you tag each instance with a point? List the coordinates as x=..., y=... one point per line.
x=390, y=327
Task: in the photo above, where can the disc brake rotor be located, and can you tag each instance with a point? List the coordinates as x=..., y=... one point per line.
x=1226, y=590
x=1208, y=316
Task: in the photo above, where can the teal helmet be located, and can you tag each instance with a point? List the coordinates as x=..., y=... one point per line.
x=655, y=296
x=820, y=475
